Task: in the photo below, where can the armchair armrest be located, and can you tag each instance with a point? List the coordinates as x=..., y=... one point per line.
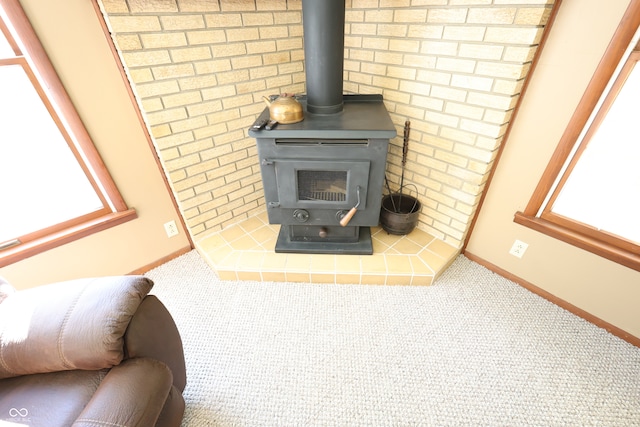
x=77, y=324
x=132, y=394
x=153, y=333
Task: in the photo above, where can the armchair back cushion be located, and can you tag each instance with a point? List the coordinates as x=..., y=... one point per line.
x=78, y=324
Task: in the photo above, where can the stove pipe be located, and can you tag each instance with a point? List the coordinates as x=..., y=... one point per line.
x=323, y=26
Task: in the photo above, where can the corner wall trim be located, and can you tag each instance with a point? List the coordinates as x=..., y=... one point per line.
x=505, y=139
x=614, y=330
x=147, y=134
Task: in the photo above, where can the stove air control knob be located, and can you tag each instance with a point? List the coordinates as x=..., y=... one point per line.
x=323, y=232
x=301, y=215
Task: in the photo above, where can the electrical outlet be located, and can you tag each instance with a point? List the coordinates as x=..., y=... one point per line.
x=518, y=248
x=171, y=228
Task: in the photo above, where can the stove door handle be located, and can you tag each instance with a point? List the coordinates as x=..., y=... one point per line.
x=345, y=220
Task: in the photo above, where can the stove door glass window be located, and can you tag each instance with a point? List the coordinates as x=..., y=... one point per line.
x=325, y=184
x=328, y=186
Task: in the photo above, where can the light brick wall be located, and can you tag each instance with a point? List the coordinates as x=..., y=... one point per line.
x=454, y=68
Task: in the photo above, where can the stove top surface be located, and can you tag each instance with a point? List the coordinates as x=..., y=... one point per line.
x=363, y=116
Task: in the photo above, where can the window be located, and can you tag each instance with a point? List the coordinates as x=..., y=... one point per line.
x=601, y=187
x=589, y=195
x=55, y=188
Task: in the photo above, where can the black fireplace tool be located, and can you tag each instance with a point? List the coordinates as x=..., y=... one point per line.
x=393, y=203
x=405, y=149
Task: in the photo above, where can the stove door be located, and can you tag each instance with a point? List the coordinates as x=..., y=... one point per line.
x=322, y=184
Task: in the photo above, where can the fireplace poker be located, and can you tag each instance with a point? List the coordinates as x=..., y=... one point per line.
x=386, y=180
x=405, y=148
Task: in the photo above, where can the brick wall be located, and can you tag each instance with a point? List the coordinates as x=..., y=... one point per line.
x=454, y=68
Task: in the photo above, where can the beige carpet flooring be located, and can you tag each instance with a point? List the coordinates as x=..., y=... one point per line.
x=474, y=349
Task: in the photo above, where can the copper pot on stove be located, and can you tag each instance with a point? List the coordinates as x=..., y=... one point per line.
x=285, y=109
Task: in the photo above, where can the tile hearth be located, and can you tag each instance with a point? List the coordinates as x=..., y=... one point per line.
x=245, y=251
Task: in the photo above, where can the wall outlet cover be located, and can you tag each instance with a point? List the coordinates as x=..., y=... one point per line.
x=171, y=228
x=518, y=248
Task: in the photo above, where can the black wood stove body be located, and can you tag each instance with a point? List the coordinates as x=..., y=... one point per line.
x=316, y=171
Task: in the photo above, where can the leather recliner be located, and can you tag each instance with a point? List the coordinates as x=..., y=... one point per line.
x=88, y=353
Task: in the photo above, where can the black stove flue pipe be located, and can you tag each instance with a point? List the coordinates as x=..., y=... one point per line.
x=323, y=26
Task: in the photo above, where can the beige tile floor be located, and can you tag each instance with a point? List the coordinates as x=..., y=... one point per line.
x=245, y=251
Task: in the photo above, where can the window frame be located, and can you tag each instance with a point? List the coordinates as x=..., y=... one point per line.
x=34, y=59
x=573, y=232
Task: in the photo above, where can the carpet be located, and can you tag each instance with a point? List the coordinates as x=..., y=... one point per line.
x=474, y=349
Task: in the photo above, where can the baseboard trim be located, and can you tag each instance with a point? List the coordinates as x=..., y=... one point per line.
x=614, y=330
x=161, y=261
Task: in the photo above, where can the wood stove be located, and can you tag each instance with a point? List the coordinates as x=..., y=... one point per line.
x=314, y=172
x=318, y=172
